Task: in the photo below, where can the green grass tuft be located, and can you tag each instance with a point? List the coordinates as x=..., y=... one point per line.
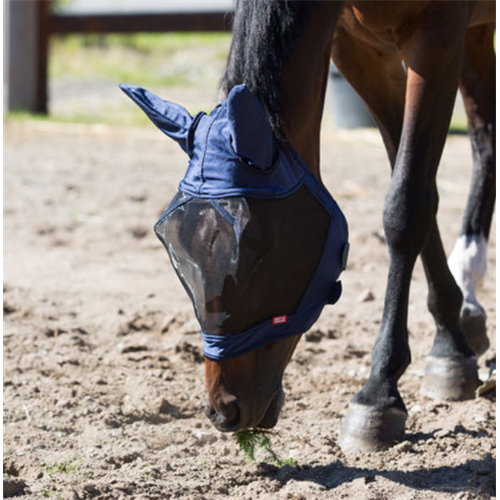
x=62, y=468
x=251, y=440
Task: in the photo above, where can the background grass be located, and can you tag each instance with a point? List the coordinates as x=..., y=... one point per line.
x=173, y=59
x=84, y=71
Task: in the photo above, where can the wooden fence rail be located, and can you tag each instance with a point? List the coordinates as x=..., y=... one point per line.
x=133, y=23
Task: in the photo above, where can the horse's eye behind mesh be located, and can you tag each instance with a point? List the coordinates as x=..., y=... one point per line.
x=202, y=238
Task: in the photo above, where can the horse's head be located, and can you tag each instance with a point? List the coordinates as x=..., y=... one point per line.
x=249, y=234
x=244, y=262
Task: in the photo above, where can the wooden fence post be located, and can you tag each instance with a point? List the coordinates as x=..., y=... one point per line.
x=27, y=55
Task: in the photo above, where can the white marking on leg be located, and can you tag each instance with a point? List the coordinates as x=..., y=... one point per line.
x=467, y=263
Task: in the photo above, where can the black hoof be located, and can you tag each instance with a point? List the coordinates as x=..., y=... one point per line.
x=450, y=380
x=371, y=429
x=473, y=321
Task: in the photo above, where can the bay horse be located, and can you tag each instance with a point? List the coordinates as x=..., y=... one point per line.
x=406, y=59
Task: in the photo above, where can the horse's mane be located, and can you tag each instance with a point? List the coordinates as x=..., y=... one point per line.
x=264, y=34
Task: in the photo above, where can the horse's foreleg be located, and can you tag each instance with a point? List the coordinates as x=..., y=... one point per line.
x=468, y=259
x=377, y=414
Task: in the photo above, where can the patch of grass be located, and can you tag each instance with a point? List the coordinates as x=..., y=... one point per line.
x=170, y=59
x=252, y=439
x=458, y=127
x=58, y=5
x=62, y=468
x=51, y=494
x=133, y=117
x=85, y=70
x=20, y=116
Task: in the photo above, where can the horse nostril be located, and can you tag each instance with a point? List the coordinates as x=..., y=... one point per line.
x=226, y=417
x=230, y=414
x=210, y=411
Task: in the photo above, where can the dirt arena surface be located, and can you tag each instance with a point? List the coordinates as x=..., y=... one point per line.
x=103, y=372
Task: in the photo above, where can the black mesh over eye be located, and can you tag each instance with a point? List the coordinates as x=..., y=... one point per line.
x=202, y=238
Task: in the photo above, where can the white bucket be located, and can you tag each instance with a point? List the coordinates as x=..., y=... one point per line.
x=346, y=108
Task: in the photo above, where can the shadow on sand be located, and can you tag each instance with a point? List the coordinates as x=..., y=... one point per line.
x=471, y=475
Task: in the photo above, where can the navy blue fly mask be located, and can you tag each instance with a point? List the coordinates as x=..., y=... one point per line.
x=234, y=157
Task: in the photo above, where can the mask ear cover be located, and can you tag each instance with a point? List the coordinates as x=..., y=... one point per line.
x=172, y=119
x=251, y=134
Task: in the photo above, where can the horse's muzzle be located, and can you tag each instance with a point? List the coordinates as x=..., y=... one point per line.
x=234, y=416
x=226, y=418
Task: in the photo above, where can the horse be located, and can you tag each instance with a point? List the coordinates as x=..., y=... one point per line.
x=406, y=59
x=412, y=106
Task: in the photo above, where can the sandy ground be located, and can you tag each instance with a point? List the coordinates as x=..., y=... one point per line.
x=103, y=376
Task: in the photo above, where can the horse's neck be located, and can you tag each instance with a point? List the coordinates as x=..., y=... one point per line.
x=281, y=49
x=304, y=82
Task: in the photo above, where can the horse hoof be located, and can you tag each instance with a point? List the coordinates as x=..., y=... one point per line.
x=371, y=429
x=450, y=380
x=473, y=321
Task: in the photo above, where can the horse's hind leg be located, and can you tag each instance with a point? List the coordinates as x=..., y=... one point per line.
x=451, y=372
x=468, y=259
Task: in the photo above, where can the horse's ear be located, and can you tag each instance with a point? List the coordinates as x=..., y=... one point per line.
x=249, y=127
x=169, y=117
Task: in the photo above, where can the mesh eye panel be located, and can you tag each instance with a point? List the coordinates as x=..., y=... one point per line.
x=202, y=238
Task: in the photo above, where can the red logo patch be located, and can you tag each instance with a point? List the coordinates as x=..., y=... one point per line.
x=280, y=320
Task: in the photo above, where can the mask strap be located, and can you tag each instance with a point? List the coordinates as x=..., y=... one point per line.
x=336, y=293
